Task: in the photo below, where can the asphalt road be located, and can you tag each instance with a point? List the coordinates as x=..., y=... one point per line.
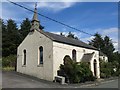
x=15, y=80
x=106, y=84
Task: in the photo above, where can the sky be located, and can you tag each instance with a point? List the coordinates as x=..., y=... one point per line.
x=91, y=17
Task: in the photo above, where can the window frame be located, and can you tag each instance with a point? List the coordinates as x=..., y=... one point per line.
x=74, y=55
x=40, y=55
x=24, y=57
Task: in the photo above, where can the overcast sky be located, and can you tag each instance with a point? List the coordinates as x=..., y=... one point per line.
x=91, y=17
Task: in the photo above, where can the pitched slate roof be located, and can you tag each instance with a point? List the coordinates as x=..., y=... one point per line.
x=66, y=40
x=87, y=57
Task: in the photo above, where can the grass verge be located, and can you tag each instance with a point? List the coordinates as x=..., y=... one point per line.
x=8, y=68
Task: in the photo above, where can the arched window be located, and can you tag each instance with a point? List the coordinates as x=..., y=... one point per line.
x=74, y=54
x=24, y=52
x=40, y=55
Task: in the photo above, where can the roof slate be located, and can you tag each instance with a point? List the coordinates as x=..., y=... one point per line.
x=87, y=57
x=66, y=40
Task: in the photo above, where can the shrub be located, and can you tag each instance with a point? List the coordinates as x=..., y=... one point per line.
x=8, y=68
x=75, y=72
x=9, y=61
x=117, y=72
x=106, y=69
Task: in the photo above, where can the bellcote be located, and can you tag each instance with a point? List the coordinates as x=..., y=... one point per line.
x=35, y=23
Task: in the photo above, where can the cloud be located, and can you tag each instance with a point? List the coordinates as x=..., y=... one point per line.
x=45, y=0
x=115, y=13
x=56, y=32
x=113, y=34
x=11, y=14
x=110, y=31
x=10, y=11
x=86, y=39
x=55, y=6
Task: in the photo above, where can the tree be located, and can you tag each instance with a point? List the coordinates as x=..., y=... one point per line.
x=97, y=42
x=2, y=33
x=41, y=27
x=4, y=38
x=3, y=25
x=116, y=56
x=25, y=28
x=71, y=35
x=10, y=38
x=9, y=61
x=108, y=47
x=116, y=62
x=105, y=45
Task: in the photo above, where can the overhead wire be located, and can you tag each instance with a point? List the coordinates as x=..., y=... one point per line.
x=51, y=18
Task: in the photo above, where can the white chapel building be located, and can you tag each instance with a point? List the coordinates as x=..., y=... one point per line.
x=41, y=53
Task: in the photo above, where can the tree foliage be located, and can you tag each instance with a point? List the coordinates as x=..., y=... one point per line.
x=25, y=28
x=1, y=24
x=10, y=38
x=106, y=69
x=9, y=61
x=116, y=63
x=97, y=42
x=108, y=48
x=105, y=45
x=71, y=35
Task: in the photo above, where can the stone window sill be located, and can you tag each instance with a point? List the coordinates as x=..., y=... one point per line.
x=41, y=65
x=23, y=65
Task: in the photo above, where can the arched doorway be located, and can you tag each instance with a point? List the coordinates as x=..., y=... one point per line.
x=95, y=68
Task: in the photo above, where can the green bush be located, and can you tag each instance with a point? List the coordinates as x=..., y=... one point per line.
x=75, y=72
x=9, y=61
x=8, y=68
x=106, y=69
x=117, y=73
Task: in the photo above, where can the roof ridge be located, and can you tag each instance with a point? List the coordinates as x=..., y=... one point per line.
x=70, y=38
x=64, y=36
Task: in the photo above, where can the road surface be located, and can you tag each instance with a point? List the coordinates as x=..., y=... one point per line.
x=15, y=80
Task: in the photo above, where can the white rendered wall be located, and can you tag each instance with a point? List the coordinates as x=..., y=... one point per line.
x=95, y=57
x=60, y=50
x=53, y=54
x=32, y=43
x=104, y=58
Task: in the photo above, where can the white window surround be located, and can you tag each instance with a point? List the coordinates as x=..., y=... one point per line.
x=40, y=52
